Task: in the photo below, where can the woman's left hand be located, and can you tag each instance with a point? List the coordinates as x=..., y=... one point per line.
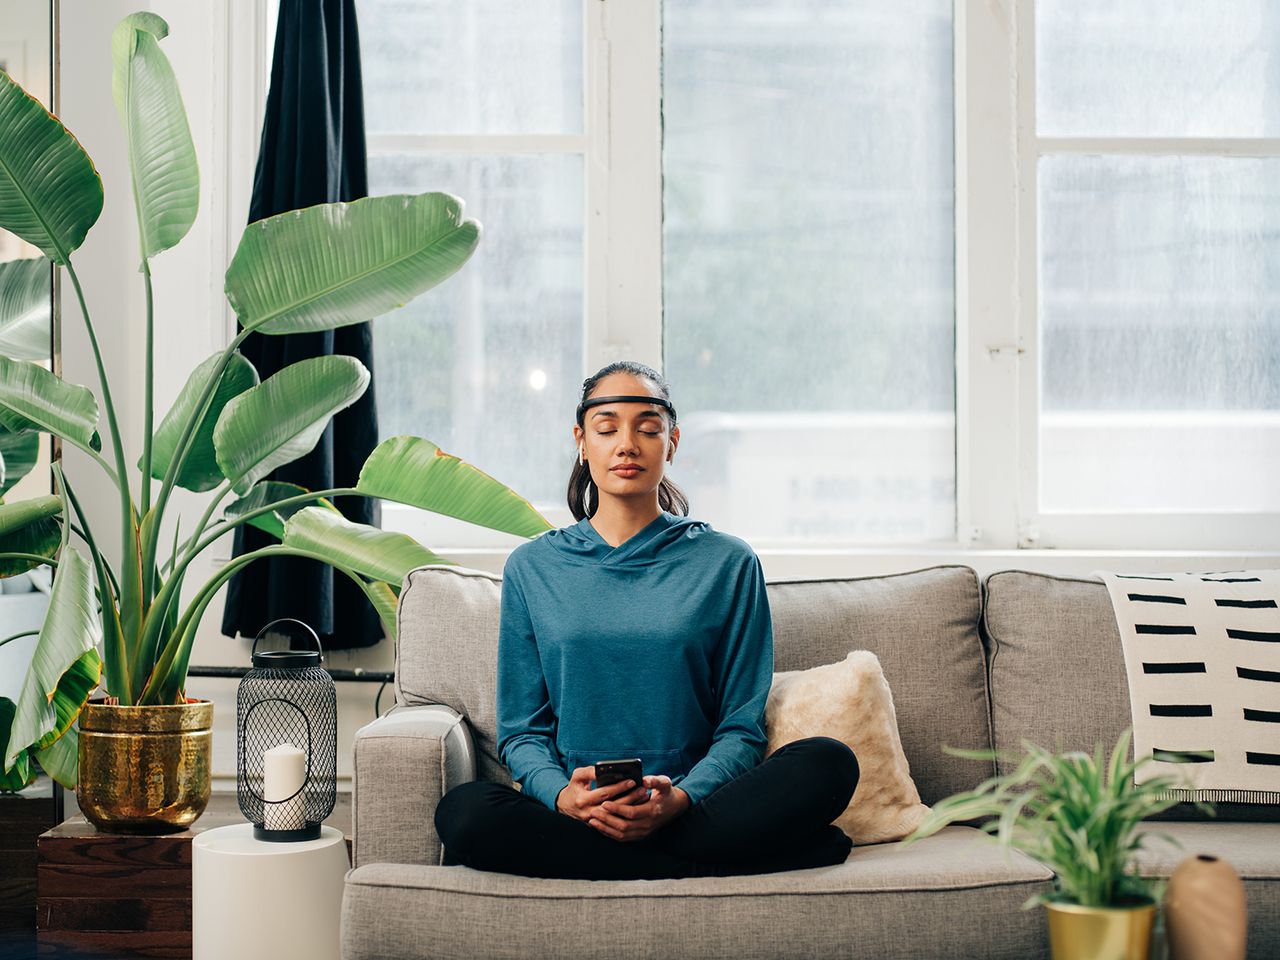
x=623, y=821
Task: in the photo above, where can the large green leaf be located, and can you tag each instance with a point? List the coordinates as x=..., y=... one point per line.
x=385, y=600
x=61, y=758
x=26, y=309
x=283, y=417
x=268, y=492
x=32, y=397
x=21, y=774
x=50, y=194
x=28, y=526
x=70, y=630
x=200, y=471
x=339, y=263
x=378, y=554
x=73, y=691
x=15, y=516
x=415, y=471
x=162, y=158
x=18, y=454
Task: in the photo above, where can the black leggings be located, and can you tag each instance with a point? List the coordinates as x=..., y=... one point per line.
x=776, y=816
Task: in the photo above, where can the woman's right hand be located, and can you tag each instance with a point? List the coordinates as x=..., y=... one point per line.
x=579, y=801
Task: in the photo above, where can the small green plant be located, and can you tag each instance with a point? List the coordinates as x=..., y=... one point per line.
x=1077, y=814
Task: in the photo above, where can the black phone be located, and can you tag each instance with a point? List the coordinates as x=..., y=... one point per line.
x=615, y=771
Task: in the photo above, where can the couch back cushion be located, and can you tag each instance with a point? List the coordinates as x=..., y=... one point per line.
x=447, y=651
x=922, y=625
x=1057, y=671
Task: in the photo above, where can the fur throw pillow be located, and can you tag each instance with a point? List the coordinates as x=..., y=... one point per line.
x=850, y=701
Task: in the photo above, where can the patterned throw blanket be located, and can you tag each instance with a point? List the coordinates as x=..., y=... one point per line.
x=1202, y=652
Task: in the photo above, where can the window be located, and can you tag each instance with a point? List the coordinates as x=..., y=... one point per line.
x=485, y=100
x=808, y=252
x=927, y=274
x=1156, y=262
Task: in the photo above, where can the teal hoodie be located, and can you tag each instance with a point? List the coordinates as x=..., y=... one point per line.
x=660, y=648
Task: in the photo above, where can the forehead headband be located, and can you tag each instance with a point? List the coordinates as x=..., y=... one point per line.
x=596, y=401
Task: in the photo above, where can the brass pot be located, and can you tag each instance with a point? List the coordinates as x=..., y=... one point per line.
x=1100, y=933
x=145, y=769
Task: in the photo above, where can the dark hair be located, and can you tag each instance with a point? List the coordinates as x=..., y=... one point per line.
x=583, y=498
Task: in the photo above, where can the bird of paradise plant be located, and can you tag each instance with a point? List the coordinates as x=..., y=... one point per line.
x=121, y=620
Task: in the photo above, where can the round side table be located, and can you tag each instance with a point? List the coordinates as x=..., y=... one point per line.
x=252, y=899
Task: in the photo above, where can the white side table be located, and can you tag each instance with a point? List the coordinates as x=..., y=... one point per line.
x=252, y=899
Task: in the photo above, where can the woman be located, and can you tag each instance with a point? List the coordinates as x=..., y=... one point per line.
x=638, y=632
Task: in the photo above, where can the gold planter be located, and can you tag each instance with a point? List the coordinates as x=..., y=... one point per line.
x=1100, y=933
x=145, y=769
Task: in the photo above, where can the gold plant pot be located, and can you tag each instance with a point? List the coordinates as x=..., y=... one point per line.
x=145, y=769
x=1100, y=933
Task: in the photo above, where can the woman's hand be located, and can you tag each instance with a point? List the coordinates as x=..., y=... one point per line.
x=579, y=801
x=624, y=821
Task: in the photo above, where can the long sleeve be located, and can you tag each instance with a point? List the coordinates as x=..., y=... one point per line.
x=526, y=720
x=742, y=670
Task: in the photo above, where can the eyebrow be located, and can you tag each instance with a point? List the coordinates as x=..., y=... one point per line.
x=641, y=414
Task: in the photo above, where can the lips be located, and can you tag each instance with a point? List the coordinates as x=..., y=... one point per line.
x=626, y=470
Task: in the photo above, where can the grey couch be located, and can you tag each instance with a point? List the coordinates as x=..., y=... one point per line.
x=970, y=664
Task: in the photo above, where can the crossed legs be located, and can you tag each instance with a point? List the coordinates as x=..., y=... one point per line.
x=776, y=816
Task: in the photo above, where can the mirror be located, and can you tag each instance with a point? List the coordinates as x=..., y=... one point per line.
x=28, y=331
x=28, y=314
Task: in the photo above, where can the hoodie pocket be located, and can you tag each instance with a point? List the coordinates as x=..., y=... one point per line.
x=672, y=763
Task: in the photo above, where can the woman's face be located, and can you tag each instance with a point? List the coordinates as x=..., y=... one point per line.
x=626, y=433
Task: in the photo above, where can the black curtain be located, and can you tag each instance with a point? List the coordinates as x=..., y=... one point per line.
x=312, y=151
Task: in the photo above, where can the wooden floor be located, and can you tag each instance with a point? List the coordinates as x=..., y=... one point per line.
x=112, y=895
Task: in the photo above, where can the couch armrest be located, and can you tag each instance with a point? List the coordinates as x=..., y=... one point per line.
x=405, y=762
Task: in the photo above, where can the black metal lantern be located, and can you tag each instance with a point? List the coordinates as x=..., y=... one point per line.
x=286, y=741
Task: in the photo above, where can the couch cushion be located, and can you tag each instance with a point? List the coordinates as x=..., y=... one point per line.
x=447, y=651
x=955, y=895
x=922, y=625
x=1057, y=671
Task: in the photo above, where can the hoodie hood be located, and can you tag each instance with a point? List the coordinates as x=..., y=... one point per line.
x=666, y=536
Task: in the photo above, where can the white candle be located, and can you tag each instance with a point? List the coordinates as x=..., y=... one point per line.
x=284, y=770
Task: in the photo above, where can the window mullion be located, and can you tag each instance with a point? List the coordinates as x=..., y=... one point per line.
x=987, y=291
x=624, y=316
x=1026, y=194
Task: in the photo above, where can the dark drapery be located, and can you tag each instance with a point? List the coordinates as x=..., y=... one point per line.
x=312, y=151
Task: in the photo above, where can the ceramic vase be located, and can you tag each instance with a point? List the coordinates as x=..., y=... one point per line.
x=1204, y=908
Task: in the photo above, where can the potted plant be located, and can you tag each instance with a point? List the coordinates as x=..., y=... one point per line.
x=121, y=619
x=1077, y=814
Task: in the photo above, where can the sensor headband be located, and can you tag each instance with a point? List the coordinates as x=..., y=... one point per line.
x=596, y=401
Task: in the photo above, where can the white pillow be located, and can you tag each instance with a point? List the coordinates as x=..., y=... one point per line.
x=851, y=702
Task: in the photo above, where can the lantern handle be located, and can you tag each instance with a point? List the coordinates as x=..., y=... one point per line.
x=305, y=626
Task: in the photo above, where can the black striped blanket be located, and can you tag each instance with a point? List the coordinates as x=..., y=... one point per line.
x=1202, y=654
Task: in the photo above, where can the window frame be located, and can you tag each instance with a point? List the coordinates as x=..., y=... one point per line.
x=996, y=294
x=1208, y=530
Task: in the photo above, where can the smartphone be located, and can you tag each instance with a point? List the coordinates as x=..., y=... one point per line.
x=615, y=771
